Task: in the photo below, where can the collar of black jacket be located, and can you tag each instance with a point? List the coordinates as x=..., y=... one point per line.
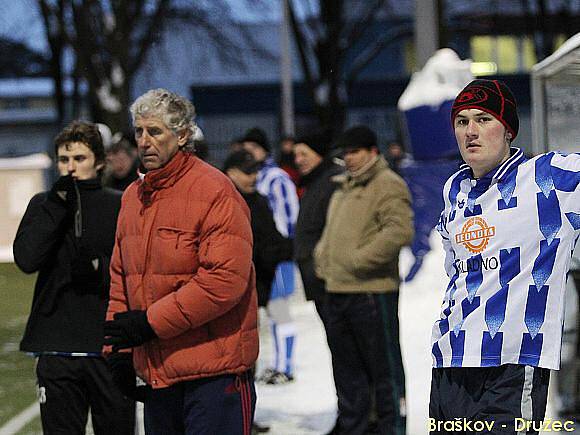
x=305, y=180
x=92, y=184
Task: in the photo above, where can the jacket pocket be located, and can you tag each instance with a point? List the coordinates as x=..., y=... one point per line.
x=175, y=251
x=192, y=353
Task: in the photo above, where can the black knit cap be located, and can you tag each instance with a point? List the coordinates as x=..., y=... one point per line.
x=359, y=136
x=258, y=136
x=318, y=140
x=491, y=96
x=242, y=160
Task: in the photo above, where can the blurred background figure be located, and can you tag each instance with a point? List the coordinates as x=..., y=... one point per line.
x=286, y=158
x=236, y=144
x=369, y=220
x=202, y=150
x=394, y=154
x=122, y=164
x=276, y=185
x=200, y=146
x=106, y=134
x=316, y=170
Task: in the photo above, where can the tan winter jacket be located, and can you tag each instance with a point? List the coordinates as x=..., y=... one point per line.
x=369, y=220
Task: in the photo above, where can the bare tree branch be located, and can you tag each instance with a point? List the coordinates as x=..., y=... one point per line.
x=339, y=35
x=52, y=18
x=358, y=28
x=148, y=36
x=313, y=24
x=301, y=45
x=230, y=42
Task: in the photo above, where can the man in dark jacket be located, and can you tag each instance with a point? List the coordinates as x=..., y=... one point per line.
x=67, y=236
x=122, y=164
x=316, y=170
x=270, y=247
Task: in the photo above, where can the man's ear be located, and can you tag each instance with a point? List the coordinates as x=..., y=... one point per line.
x=182, y=137
x=99, y=166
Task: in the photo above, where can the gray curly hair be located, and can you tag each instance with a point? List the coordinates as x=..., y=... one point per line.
x=176, y=112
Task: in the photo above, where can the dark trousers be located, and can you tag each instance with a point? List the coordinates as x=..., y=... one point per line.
x=69, y=386
x=210, y=406
x=497, y=395
x=356, y=339
x=320, y=305
x=389, y=308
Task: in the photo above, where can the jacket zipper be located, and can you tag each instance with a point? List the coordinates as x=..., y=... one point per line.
x=153, y=347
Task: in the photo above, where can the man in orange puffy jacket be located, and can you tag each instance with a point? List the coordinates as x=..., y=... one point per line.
x=182, y=307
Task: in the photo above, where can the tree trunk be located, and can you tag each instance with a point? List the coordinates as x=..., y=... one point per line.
x=331, y=117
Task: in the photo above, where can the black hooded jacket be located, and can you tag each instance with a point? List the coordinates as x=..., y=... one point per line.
x=270, y=247
x=318, y=188
x=72, y=288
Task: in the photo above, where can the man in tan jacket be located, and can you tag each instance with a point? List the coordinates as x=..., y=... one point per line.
x=369, y=220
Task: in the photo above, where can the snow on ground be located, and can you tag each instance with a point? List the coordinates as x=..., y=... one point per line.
x=308, y=405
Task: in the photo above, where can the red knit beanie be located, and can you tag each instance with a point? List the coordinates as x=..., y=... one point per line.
x=491, y=96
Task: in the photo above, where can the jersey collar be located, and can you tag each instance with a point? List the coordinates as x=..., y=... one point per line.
x=500, y=172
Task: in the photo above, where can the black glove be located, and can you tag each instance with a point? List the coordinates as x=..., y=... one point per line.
x=63, y=191
x=124, y=377
x=128, y=329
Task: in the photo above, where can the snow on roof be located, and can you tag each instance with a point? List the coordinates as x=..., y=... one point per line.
x=23, y=116
x=32, y=161
x=32, y=87
x=26, y=87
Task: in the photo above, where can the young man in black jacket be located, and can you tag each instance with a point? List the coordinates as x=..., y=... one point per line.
x=67, y=236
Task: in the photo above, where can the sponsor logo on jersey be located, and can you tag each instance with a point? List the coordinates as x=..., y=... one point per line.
x=475, y=235
x=476, y=263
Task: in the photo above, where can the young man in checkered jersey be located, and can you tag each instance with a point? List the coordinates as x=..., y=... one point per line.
x=509, y=227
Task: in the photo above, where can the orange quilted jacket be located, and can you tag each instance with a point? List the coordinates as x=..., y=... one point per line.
x=183, y=252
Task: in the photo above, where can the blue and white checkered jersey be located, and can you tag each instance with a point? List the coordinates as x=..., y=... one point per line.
x=509, y=238
x=275, y=184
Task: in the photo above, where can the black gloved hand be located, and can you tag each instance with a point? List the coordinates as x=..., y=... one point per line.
x=124, y=377
x=63, y=191
x=128, y=329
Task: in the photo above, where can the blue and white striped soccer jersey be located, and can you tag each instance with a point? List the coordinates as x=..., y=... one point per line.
x=508, y=238
x=275, y=184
